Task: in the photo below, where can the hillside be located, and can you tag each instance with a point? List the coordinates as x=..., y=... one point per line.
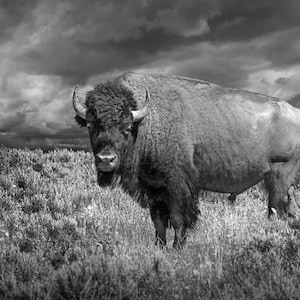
x=63, y=237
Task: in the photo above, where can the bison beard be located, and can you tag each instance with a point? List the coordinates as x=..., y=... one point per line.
x=106, y=178
x=195, y=136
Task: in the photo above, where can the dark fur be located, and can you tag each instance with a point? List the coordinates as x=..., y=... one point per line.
x=81, y=122
x=109, y=103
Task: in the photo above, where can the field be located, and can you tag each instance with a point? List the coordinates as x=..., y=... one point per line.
x=63, y=237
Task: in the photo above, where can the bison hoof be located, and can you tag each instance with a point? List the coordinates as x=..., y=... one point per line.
x=178, y=245
x=160, y=243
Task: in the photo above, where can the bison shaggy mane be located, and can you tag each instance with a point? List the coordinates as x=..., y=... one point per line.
x=109, y=103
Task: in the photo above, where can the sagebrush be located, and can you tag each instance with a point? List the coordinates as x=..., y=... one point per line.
x=63, y=237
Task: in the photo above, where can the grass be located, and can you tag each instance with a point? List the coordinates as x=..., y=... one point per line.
x=63, y=237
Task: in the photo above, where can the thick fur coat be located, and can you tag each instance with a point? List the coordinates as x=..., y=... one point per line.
x=198, y=135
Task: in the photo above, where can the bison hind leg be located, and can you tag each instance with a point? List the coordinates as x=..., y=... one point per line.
x=278, y=182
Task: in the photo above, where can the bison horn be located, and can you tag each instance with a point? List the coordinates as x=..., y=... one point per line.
x=140, y=114
x=78, y=107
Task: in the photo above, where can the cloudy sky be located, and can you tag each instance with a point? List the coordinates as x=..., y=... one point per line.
x=47, y=46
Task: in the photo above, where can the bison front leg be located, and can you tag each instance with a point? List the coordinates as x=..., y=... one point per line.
x=177, y=222
x=160, y=218
x=183, y=210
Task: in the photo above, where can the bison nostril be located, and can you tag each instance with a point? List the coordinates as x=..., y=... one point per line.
x=107, y=158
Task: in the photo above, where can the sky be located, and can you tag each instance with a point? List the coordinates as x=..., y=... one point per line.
x=48, y=46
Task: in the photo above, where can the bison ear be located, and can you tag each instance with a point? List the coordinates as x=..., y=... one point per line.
x=80, y=121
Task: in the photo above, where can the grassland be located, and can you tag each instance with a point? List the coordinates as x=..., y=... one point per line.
x=63, y=237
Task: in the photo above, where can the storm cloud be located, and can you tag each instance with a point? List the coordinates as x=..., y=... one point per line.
x=46, y=47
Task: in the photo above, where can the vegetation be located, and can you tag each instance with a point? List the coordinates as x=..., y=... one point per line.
x=63, y=237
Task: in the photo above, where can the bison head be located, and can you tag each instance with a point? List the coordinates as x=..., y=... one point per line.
x=110, y=115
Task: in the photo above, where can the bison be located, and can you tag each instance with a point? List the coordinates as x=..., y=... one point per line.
x=190, y=135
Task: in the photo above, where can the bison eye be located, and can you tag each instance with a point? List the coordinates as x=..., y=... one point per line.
x=125, y=129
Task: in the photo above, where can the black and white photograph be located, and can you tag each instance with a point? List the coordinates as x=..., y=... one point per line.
x=149, y=149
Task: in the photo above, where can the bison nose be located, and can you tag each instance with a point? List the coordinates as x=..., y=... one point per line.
x=106, y=158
